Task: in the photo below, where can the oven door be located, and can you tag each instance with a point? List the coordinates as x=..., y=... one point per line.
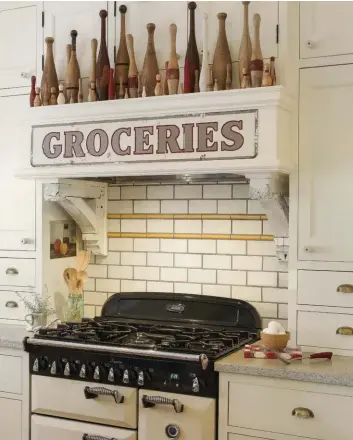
x=168, y=415
x=44, y=428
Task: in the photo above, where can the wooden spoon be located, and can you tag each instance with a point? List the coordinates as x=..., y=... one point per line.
x=83, y=258
x=70, y=277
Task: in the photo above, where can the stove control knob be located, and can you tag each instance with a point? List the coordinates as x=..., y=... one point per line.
x=141, y=379
x=126, y=376
x=83, y=372
x=111, y=375
x=35, y=366
x=53, y=368
x=96, y=374
x=195, y=385
x=67, y=370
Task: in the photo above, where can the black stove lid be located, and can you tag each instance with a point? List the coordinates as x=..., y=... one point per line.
x=180, y=308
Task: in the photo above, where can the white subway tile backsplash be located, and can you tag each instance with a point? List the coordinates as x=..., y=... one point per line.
x=120, y=244
x=217, y=191
x=283, y=280
x=113, y=225
x=231, y=206
x=266, y=228
x=237, y=277
x=133, y=192
x=89, y=311
x=160, y=192
x=159, y=286
x=174, y=207
x=246, y=227
x=187, y=260
x=120, y=272
x=173, y=274
x=272, y=264
x=262, y=279
x=276, y=295
x=266, y=310
x=160, y=226
x=120, y=207
x=147, y=207
x=146, y=244
x=283, y=311
x=203, y=206
x=90, y=285
x=113, y=192
x=231, y=247
x=217, y=262
x=216, y=227
x=160, y=259
x=246, y=293
x=133, y=225
x=254, y=207
x=216, y=290
x=111, y=258
x=97, y=271
x=146, y=273
x=241, y=191
x=188, y=192
x=187, y=226
x=133, y=258
x=133, y=286
x=261, y=248
x=173, y=245
x=202, y=246
x=201, y=276
x=191, y=288
x=108, y=285
x=242, y=262
x=95, y=298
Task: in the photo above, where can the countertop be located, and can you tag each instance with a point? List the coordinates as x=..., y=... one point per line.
x=11, y=336
x=337, y=371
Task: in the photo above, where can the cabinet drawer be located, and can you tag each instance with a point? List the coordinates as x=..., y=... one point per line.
x=11, y=306
x=10, y=374
x=268, y=436
x=329, y=414
x=317, y=329
x=66, y=398
x=17, y=272
x=320, y=288
x=44, y=428
x=11, y=419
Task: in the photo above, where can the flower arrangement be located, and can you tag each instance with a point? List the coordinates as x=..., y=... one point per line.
x=37, y=304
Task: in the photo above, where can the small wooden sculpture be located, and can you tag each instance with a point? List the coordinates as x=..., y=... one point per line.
x=33, y=91
x=266, y=78
x=215, y=87
x=122, y=55
x=229, y=77
x=173, y=66
x=103, y=64
x=196, y=85
x=150, y=64
x=245, y=50
x=204, y=74
x=257, y=62
x=158, y=88
x=165, y=83
x=37, y=101
x=192, y=61
x=94, y=46
x=210, y=79
x=121, y=88
x=132, y=79
x=180, y=88
x=245, y=82
x=222, y=54
x=73, y=71
x=61, y=97
x=49, y=77
x=80, y=93
x=273, y=71
x=111, y=91
x=53, y=99
x=92, y=96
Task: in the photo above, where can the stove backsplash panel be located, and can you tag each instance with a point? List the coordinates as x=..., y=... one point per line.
x=189, y=238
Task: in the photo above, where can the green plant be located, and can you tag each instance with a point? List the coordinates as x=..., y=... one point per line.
x=37, y=304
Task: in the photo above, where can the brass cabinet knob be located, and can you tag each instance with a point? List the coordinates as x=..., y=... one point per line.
x=345, y=331
x=303, y=413
x=345, y=288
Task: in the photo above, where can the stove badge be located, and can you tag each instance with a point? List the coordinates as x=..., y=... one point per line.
x=175, y=308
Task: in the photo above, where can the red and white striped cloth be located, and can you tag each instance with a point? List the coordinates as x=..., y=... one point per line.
x=261, y=352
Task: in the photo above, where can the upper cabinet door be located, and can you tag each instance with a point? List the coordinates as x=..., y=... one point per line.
x=60, y=18
x=19, y=25
x=326, y=28
x=325, y=229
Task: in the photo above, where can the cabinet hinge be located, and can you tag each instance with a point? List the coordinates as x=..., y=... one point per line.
x=277, y=33
x=42, y=19
x=114, y=9
x=114, y=54
x=42, y=62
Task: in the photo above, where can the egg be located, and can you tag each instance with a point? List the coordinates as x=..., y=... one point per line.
x=274, y=327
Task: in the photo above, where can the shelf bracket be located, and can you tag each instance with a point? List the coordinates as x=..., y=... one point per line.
x=87, y=203
x=272, y=191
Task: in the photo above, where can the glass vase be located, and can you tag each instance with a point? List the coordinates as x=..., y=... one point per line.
x=74, y=311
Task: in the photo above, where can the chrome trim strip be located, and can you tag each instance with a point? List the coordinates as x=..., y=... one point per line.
x=112, y=349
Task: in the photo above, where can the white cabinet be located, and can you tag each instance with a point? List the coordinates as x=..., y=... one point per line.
x=10, y=419
x=325, y=28
x=18, y=43
x=17, y=219
x=325, y=229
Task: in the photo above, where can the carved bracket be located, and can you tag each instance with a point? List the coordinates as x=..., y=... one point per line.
x=272, y=190
x=86, y=202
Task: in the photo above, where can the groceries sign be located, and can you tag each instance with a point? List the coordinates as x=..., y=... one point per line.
x=206, y=136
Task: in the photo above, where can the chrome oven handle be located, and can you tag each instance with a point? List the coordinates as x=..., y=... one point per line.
x=150, y=401
x=94, y=392
x=96, y=437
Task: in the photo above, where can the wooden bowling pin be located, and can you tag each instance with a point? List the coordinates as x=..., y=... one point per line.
x=222, y=54
x=37, y=101
x=266, y=78
x=126, y=96
x=103, y=65
x=158, y=88
x=210, y=79
x=192, y=61
x=196, y=85
x=215, y=87
x=173, y=66
x=180, y=88
x=111, y=90
x=139, y=86
x=53, y=99
x=245, y=50
x=94, y=46
x=132, y=79
x=122, y=55
x=204, y=68
x=61, y=97
x=257, y=63
x=49, y=77
x=229, y=77
x=92, y=96
x=68, y=54
x=121, y=88
x=33, y=91
x=80, y=93
x=150, y=64
x=165, y=83
x=73, y=71
x=273, y=71
x=144, y=94
x=245, y=81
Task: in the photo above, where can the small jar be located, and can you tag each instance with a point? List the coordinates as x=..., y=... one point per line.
x=74, y=311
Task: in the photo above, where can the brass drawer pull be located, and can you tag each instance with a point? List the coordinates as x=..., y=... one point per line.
x=11, y=304
x=345, y=331
x=303, y=413
x=11, y=271
x=345, y=288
